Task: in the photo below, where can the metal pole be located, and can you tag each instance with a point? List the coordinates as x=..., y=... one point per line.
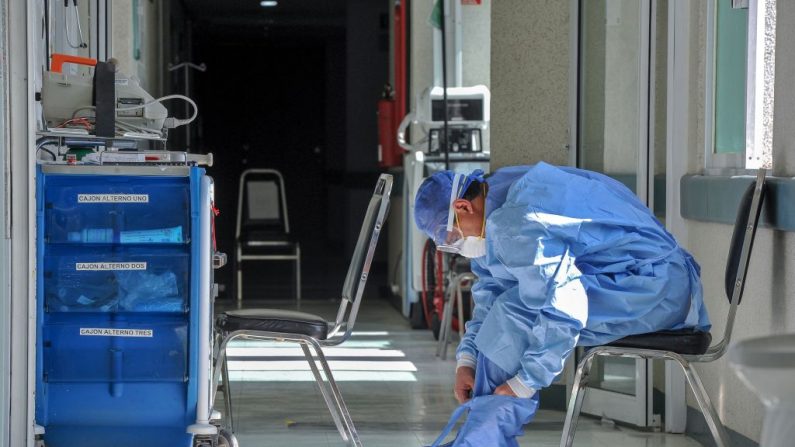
x=187, y=66
x=445, y=140
x=187, y=109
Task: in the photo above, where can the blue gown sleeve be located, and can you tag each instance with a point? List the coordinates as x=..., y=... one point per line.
x=484, y=292
x=550, y=307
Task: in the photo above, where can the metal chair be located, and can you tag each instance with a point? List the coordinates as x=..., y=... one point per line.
x=459, y=283
x=312, y=331
x=262, y=232
x=685, y=347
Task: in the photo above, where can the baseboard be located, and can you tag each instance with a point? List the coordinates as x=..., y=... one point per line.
x=697, y=429
x=554, y=398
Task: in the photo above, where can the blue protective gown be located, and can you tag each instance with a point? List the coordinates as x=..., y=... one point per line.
x=573, y=258
x=493, y=421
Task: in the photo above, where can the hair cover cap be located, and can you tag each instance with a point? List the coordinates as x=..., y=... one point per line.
x=432, y=203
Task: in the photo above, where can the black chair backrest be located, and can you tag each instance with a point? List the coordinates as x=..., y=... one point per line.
x=744, y=233
x=262, y=202
x=359, y=269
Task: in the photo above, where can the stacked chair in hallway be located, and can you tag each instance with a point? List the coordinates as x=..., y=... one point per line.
x=685, y=347
x=312, y=332
x=262, y=232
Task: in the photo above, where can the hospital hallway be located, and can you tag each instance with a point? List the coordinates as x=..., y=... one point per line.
x=399, y=394
x=247, y=223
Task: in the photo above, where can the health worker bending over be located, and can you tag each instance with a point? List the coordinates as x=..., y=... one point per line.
x=564, y=257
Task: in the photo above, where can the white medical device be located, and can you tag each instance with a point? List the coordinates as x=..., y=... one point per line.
x=468, y=115
x=65, y=97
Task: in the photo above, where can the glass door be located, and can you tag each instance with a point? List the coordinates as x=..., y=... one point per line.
x=621, y=133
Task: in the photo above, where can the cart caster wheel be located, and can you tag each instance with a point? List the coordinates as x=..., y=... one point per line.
x=226, y=439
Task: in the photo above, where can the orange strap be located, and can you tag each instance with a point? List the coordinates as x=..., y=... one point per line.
x=59, y=59
x=215, y=212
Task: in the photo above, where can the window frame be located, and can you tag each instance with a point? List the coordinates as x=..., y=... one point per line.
x=715, y=163
x=741, y=162
x=760, y=99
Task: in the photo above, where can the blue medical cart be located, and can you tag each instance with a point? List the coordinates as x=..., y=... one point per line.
x=123, y=342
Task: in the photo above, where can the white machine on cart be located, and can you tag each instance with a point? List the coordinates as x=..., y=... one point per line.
x=468, y=114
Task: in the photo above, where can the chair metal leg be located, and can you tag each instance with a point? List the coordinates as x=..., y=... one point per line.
x=459, y=302
x=239, y=279
x=442, y=333
x=324, y=392
x=298, y=276
x=220, y=359
x=446, y=326
x=335, y=392
x=228, y=395
x=711, y=416
x=576, y=400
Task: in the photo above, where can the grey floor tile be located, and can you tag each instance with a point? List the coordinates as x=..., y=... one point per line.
x=390, y=408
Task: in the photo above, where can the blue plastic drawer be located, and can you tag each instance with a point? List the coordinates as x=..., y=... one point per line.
x=116, y=209
x=116, y=279
x=114, y=348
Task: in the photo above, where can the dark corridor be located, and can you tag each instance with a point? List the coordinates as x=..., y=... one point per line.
x=281, y=91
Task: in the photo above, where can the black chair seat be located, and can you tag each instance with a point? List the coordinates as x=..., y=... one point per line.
x=266, y=238
x=683, y=341
x=274, y=320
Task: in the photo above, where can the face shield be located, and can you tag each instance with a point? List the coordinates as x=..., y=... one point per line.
x=448, y=241
x=449, y=238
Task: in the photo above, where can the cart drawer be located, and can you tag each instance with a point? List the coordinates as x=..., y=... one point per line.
x=114, y=348
x=116, y=209
x=121, y=279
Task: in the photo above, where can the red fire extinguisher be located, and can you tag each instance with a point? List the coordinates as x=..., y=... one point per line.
x=388, y=152
x=392, y=105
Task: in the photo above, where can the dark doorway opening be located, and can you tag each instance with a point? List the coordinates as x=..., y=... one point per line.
x=293, y=89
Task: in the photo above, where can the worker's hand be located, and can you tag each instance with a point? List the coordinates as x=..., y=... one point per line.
x=464, y=383
x=504, y=390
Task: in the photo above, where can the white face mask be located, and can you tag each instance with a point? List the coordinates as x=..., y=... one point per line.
x=473, y=247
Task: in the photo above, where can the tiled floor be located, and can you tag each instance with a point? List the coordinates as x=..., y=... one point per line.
x=398, y=392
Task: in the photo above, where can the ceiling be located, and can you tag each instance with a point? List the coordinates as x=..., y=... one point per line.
x=291, y=18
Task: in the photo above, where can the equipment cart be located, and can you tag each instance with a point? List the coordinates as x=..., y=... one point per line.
x=124, y=307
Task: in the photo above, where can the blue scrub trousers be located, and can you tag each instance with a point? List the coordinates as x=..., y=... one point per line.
x=492, y=420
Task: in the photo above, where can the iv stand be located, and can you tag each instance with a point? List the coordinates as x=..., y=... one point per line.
x=187, y=66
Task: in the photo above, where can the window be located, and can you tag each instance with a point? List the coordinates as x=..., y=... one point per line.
x=731, y=44
x=761, y=80
x=740, y=78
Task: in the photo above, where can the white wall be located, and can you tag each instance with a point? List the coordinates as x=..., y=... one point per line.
x=477, y=45
x=148, y=68
x=767, y=307
x=765, y=310
x=420, y=50
x=529, y=81
x=5, y=243
x=21, y=14
x=621, y=78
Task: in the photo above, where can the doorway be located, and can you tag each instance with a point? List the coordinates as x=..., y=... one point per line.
x=621, y=131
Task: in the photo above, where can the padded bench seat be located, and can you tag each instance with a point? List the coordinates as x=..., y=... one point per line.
x=266, y=239
x=683, y=341
x=273, y=320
